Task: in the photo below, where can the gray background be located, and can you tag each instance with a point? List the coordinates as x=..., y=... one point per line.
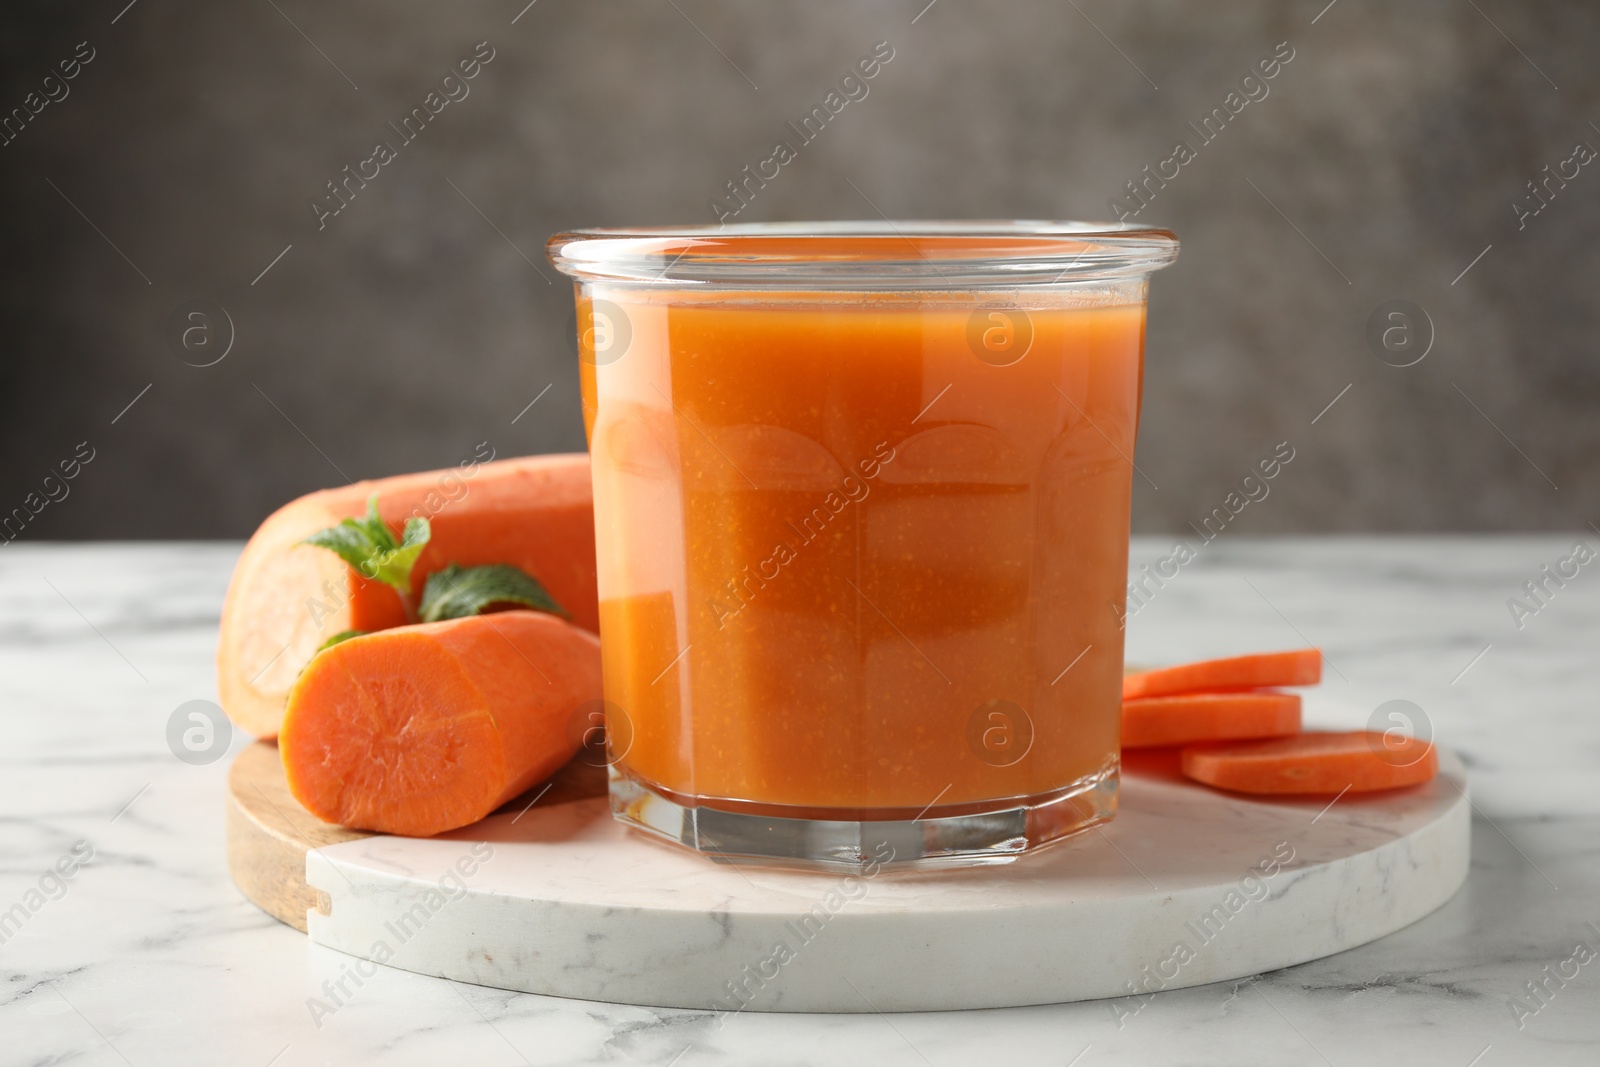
x=1385, y=158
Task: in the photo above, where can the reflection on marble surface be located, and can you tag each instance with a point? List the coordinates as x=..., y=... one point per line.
x=150, y=955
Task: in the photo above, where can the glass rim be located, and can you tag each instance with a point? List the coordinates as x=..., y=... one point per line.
x=877, y=254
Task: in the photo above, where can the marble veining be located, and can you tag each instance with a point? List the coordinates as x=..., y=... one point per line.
x=151, y=957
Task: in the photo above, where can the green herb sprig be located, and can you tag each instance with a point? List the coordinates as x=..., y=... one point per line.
x=453, y=592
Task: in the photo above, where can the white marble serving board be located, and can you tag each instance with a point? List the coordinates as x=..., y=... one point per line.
x=1186, y=886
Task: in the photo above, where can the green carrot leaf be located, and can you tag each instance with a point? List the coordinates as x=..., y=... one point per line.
x=455, y=592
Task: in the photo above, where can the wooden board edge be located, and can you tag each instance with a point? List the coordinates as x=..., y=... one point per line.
x=269, y=834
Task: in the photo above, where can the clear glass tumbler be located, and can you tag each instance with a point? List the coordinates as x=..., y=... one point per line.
x=861, y=504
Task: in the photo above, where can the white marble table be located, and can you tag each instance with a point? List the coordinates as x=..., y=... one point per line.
x=148, y=955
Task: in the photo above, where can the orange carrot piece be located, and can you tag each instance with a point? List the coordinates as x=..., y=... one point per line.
x=1300, y=667
x=1362, y=761
x=1181, y=720
x=286, y=598
x=417, y=730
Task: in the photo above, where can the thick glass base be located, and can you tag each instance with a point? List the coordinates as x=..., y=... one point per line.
x=996, y=832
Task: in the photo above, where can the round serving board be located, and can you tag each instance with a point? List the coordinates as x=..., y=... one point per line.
x=1186, y=886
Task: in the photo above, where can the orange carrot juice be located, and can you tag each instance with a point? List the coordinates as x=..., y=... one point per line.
x=862, y=554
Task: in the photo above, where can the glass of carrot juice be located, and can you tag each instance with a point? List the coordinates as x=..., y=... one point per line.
x=861, y=502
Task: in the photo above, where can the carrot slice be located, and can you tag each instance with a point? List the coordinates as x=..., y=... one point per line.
x=1361, y=762
x=417, y=730
x=287, y=598
x=1300, y=667
x=1180, y=720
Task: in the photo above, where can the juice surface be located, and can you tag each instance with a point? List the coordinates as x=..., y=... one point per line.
x=854, y=557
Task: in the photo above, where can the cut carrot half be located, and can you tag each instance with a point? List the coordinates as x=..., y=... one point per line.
x=1181, y=720
x=1262, y=669
x=1360, y=762
x=417, y=730
x=287, y=598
